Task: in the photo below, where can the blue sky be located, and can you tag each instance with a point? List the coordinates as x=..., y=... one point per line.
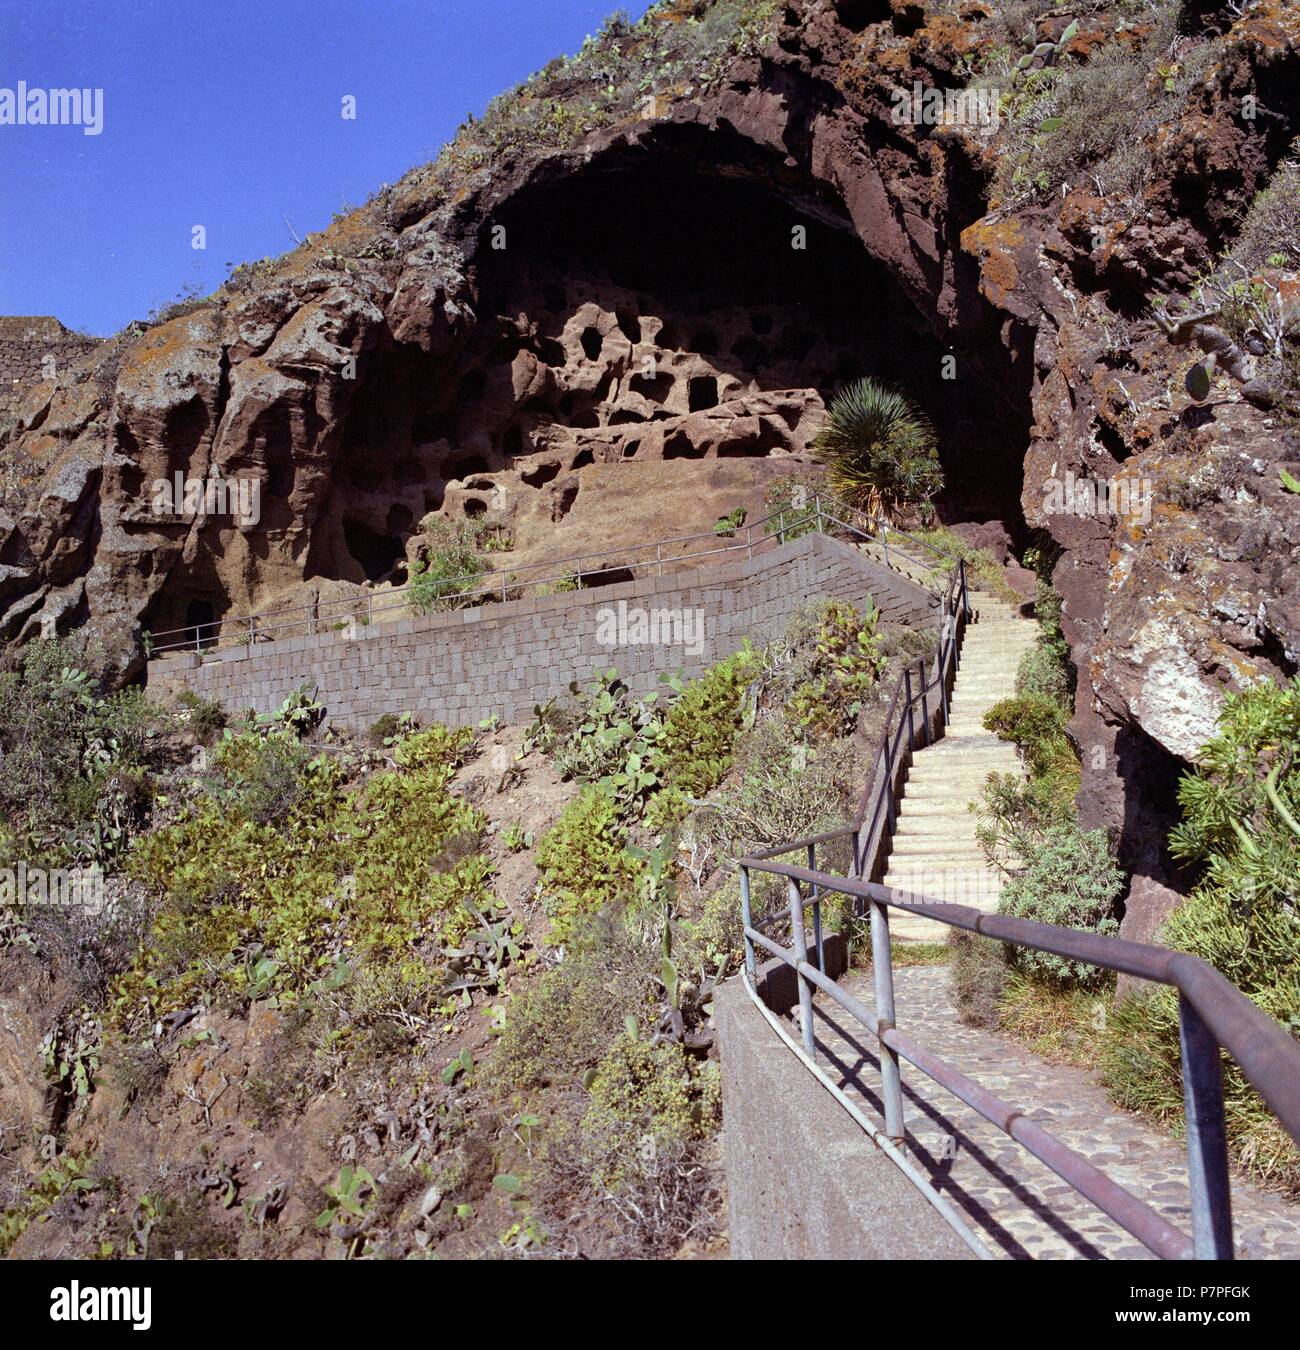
x=228, y=115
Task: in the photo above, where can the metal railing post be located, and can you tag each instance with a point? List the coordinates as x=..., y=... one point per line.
x=925, y=707
x=1207, y=1146
x=801, y=955
x=882, y=967
x=747, y=918
x=817, y=911
x=659, y=560
x=884, y=539
x=889, y=781
x=911, y=728
x=946, y=648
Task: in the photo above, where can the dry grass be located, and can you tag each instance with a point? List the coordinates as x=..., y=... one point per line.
x=1062, y=1026
x=920, y=954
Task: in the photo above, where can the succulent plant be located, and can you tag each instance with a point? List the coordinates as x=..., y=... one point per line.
x=1046, y=53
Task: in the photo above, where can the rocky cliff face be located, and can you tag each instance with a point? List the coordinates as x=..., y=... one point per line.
x=625, y=334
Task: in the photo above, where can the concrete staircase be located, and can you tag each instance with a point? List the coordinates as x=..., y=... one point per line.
x=929, y=572
x=934, y=852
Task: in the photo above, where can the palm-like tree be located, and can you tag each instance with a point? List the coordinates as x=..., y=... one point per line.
x=880, y=449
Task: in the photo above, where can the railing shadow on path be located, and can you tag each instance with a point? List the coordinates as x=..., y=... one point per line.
x=1213, y=1014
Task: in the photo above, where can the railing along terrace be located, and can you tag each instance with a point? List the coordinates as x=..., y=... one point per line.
x=1212, y=1012
x=584, y=570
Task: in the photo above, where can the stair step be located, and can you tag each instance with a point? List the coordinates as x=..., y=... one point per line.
x=951, y=854
x=932, y=803
x=976, y=763
x=969, y=771
x=938, y=883
x=953, y=745
x=937, y=828
x=966, y=767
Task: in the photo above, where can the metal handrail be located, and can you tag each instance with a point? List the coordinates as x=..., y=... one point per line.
x=259, y=626
x=878, y=793
x=1212, y=1014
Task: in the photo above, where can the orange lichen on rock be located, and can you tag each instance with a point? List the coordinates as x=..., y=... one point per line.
x=994, y=244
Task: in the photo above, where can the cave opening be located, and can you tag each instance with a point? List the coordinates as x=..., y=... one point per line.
x=189, y=612
x=376, y=552
x=756, y=284
x=771, y=289
x=200, y=615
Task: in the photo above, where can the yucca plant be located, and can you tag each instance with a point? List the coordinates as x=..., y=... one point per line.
x=880, y=450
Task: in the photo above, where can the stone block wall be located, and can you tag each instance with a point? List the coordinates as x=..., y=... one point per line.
x=25, y=342
x=461, y=666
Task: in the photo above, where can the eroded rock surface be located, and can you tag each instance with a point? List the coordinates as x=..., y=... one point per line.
x=619, y=340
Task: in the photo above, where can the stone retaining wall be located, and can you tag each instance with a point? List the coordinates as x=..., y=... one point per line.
x=804, y=1182
x=25, y=344
x=501, y=659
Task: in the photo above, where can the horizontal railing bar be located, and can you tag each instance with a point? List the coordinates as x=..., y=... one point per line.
x=1265, y=1053
x=1130, y=958
x=810, y=513
x=823, y=838
x=624, y=556
x=1131, y=1213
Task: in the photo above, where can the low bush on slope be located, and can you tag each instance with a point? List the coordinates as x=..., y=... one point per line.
x=341, y=900
x=76, y=763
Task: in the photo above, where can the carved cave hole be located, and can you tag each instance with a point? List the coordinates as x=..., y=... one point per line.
x=702, y=392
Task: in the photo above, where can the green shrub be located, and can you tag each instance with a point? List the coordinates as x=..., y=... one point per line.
x=786, y=791
x=69, y=1172
x=614, y=741
x=562, y=585
x=843, y=669
x=281, y=876
x=437, y=747
x=1043, y=674
x=1037, y=726
x=562, y=1027
x=451, y=570
x=206, y=717
x=1071, y=880
x=259, y=776
x=300, y=712
x=1270, y=234
x=647, y=1093
x=1060, y=1024
x=880, y=449
x=74, y=762
x=583, y=864
x=978, y=972
x=790, y=505
x=1016, y=815
x=1241, y=822
x=668, y=809
x=701, y=727
x=671, y=47
x=982, y=567
x=1096, y=117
